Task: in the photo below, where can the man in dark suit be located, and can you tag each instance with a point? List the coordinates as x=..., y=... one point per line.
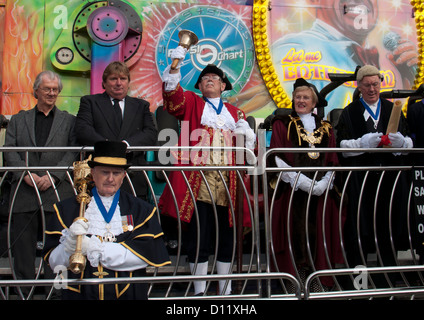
x=113, y=115
x=43, y=126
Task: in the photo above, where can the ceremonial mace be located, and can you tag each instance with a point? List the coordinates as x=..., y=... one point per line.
x=82, y=178
x=187, y=39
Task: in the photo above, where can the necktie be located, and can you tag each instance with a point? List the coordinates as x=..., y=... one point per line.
x=118, y=112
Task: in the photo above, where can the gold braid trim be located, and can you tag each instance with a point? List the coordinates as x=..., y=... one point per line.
x=168, y=104
x=120, y=293
x=315, y=137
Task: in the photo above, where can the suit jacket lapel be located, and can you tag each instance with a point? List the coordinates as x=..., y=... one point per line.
x=30, y=124
x=56, y=125
x=129, y=113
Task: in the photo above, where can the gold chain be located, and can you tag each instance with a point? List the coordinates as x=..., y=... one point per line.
x=309, y=137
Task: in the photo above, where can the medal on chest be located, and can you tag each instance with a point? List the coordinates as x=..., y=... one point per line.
x=108, y=236
x=127, y=223
x=313, y=155
x=220, y=121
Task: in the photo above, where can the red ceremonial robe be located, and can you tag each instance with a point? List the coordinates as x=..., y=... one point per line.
x=188, y=107
x=285, y=135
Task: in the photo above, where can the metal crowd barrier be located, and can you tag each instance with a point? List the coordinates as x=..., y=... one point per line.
x=254, y=271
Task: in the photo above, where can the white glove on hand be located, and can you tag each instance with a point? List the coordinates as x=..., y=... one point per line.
x=79, y=227
x=397, y=140
x=243, y=127
x=303, y=183
x=171, y=80
x=70, y=244
x=94, y=251
x=321, y=186
x=371, y=140
x=178, y=53
x=69, y=236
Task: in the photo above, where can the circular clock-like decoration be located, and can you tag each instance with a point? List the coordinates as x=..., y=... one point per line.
x=64, y=55
x=107, y=23
x=260, y=22
x=227, y=45
x=81, y=38
x=107, y=26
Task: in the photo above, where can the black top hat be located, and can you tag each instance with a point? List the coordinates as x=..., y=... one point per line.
x=302, y=82
x=211, y=68
x=110, y=154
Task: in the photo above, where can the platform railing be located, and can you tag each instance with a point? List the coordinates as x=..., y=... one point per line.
x=254, y=268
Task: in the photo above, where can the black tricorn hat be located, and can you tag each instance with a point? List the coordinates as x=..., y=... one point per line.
x=302, y=82
x=110, y=154
x=211, y=68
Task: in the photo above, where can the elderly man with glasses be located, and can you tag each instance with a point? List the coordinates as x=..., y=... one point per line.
x=45, y=125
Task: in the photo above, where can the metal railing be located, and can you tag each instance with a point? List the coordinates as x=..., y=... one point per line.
x=254, y=266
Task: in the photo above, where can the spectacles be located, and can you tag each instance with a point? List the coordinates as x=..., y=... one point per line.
x=304, y=97
x=48, y=90
x=206, y=78
x=369, y=85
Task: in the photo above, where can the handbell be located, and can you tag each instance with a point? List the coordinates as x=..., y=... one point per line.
x=187, y=39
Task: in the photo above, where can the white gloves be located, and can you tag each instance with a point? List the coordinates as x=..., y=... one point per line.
x=178, y=53
x=368, y=140
x=371, y=140
x=112, y=255
x=243, y=127
x=171, y=80
x=321, y=186
x=91, y=247
x=397, y=140
x=304, y=183
x=95, y=251
x=79, y=227
x=69, y=236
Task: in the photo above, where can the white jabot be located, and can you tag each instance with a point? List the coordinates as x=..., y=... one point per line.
x=210, y=117
x=308, y=122
x=98, y=223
